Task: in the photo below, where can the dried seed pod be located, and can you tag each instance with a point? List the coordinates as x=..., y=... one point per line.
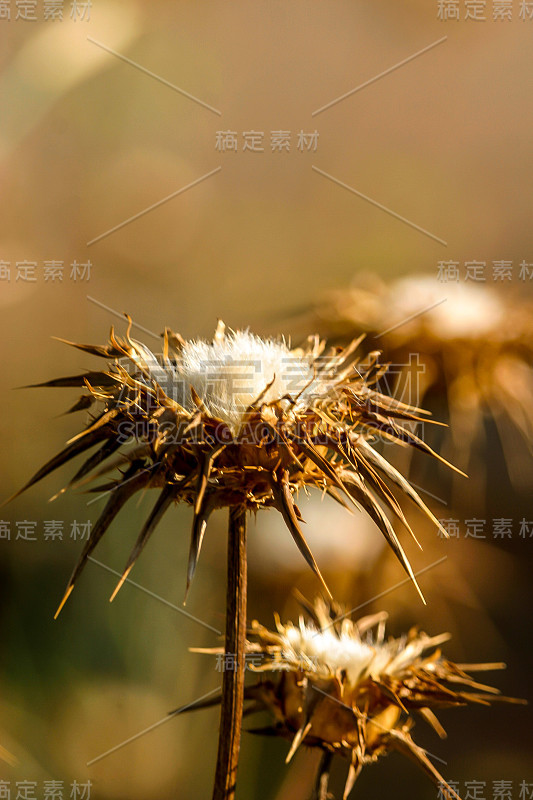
x=239, y=421
x=341, y=686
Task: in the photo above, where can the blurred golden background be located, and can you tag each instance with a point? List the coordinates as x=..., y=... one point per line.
x=87, y=141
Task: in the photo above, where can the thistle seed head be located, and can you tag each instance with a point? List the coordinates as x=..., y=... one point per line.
x=347, y=689
x=473, y=347
x=238, y=421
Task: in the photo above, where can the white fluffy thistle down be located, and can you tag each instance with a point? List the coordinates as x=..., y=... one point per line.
x=359, y=659
x=353, y=649
x=454, y=310
x=231, y=373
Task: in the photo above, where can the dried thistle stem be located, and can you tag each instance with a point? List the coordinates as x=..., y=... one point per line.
x=322, y=778
x=233, y=677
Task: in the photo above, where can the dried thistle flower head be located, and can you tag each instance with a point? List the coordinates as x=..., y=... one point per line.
x=238, y=421
x=475, y=349
x=343, y=687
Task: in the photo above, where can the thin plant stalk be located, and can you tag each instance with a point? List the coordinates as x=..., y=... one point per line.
x=322, y=779
x=233, y=675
